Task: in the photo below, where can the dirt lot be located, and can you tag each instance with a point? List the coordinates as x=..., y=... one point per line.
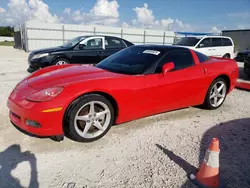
x=157, y=151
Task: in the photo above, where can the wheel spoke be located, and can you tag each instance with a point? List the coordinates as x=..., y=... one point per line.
x=220, y=95
x=215, y=88
x=220, y=88
x=98, y=125
x=101, y=114
x=92, y=108
x=92, y=119
x=212, y=96
x=82, y=118
x=86, y=128
x=215, y=100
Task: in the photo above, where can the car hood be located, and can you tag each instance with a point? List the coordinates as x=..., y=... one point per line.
x=49, y=50
x=66, y=74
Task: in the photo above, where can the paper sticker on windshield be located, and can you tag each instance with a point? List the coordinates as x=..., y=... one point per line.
x=153, y=52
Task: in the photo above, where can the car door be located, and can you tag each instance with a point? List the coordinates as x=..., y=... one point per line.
x=205, y=46
x=89, y=51
x=112, y=45
x=217, y=47
x=179, y=88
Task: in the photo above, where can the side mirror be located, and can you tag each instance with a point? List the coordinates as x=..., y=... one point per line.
x=167, y=67
x=201, y=45
x=81, y=46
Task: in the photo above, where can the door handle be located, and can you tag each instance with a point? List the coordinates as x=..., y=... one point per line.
x=99, y=52
x=205, y=70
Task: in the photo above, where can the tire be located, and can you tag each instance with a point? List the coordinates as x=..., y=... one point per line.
x=208, y=104
x=61, y=61
x=227, y=56
x=76, y=128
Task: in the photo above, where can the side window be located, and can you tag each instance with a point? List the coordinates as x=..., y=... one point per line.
x=216, y=42
x=202, y=57
x=114, y=43
x=205, y=43
x=95, y=43
x=226, y=42
x=181, y=58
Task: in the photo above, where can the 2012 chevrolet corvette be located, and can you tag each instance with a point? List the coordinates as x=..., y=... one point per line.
x=139, y=81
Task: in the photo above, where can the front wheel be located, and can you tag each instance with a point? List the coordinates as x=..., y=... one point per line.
x=216, y=94
x=90, y=118
x=61, y=61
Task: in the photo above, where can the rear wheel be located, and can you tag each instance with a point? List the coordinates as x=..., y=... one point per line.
x=90, y=118
x=216, y=94
x=227, y=56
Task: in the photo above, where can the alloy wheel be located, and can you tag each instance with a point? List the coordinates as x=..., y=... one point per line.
x=92, y=119
x=61, y=63
x=217, y=94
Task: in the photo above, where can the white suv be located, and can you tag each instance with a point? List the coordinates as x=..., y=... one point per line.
x=219, y=46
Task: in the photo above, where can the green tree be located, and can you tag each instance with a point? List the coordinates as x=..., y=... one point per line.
x=7, y=31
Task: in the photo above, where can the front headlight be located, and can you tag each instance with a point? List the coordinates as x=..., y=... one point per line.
x=45, y=94
x=39, y=56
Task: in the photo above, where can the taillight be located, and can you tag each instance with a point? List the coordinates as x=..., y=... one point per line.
x=45, y=95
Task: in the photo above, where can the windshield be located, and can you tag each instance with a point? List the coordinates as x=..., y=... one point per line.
x=133, y=60
x=73, y=42
x=187, y=41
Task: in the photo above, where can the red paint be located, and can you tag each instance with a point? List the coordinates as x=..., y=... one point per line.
x=243, y=85
x=136, y=96
x=167, y=67
x=196, y=60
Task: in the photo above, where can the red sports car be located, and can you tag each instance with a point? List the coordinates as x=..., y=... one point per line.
x=142, y=80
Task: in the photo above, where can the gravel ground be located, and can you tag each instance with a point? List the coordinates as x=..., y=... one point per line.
x=157, y=151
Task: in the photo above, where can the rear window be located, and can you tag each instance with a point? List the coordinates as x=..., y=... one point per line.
x=202, y=57
x=187, y=41
x=111, y=42
x=227, y=42
x=216, y=42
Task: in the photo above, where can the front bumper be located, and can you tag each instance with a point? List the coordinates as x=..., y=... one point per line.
x=35, y=64
x=51, y=123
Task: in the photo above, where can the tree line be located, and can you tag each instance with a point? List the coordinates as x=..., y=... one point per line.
x=6, y=31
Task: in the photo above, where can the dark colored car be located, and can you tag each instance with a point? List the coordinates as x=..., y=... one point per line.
x=242, y=55
x=247, y=65
x=79, y=50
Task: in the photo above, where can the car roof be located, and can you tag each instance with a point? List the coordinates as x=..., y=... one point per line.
x=159, y=47
x=100, y=36
x=208, y=36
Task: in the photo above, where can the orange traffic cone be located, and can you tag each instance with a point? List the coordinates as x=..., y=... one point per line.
x=208, y=175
